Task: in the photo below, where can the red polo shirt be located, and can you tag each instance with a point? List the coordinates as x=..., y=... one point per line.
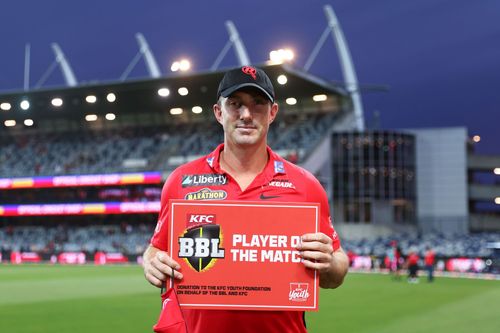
x=281, y=181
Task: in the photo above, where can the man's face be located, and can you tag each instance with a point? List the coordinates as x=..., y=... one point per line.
x=245, y=116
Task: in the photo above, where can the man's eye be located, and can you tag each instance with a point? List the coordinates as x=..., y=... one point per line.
x=234, y=104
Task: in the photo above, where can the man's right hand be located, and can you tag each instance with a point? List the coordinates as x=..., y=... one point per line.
x=158, y=266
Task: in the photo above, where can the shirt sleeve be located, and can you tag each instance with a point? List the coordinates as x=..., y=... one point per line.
x=316, y=193
x=169, y=191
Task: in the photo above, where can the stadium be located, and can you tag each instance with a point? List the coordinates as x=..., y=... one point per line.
x=82, y=168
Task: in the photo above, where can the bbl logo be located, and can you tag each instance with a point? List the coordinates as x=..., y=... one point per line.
x=200, y=246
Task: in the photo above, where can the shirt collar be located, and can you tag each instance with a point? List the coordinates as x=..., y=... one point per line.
x=275, y=165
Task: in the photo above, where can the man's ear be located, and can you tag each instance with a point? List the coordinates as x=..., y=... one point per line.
x=218, y=112
x=273, y=113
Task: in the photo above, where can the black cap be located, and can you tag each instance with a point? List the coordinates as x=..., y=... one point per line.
x=245, y=76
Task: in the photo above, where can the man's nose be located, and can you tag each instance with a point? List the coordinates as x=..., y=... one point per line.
x=245, y=112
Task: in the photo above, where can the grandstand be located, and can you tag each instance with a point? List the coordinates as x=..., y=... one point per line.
x=144, y=135
x=64, y=159
x=88, y=151
x=55, y=172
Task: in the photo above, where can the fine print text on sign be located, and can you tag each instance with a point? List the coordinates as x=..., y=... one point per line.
x=242, y=255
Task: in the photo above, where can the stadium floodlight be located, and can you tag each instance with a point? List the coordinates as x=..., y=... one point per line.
x=476, y=138
x=111, y=97
x=5, y=106
x=181, y=65
x=163, y=92
x=497, y=171
x=10, y=123
x=319, y=98
x=197, y=109
x=91, y=117
x=282, y=79
x=291, y=101
x=25, y=105
x=175, y=66
x=497, y=200
x=110, y=116
x=176, y=111
x=280, y=56
x=57, y=102
x=28, y=122
x=91, y=99
x=183, y=91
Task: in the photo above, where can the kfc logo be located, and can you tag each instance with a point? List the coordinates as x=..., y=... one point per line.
x=200, y=218
x=298, y=292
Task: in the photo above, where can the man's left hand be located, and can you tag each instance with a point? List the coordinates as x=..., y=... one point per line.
x=317, y=253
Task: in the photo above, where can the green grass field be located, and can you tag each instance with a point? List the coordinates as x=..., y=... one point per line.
x=117, y=299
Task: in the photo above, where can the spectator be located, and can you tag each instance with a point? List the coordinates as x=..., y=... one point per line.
x=412, y=263
x=429, y=261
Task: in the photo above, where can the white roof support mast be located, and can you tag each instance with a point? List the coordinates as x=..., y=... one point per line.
x=149, y=59
x=346, y=63
x=67, y=72
x=241, y=52
x=239, y=47
x=151, y=64
x=27, y=53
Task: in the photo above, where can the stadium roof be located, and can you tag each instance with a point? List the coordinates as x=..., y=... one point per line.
x=142, y=96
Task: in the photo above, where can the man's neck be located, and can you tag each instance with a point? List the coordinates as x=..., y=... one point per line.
x=249, y=160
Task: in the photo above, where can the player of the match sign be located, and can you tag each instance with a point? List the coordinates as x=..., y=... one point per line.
x=242, y=255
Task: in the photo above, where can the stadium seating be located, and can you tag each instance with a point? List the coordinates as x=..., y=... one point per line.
x=140, y=148
x=471, y=246
x=133, y=239
x=92, y=238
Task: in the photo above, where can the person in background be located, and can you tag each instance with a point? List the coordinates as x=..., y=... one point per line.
x=412, y=263
x=429, y=261
x=393, y=260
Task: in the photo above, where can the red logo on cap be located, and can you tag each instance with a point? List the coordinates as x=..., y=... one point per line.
x=250, y=71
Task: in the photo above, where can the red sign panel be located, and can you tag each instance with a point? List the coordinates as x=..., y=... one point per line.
x=242, y=255
x=21, y=257
x=102, y=258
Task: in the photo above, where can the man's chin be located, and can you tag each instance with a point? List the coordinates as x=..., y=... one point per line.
x=246, y=140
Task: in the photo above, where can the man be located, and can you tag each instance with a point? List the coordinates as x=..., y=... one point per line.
x=245, y=168
x=429, y=260
x=412, y=263
x=394, y=258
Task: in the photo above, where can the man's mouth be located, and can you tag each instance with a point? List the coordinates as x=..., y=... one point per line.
x=246, y=127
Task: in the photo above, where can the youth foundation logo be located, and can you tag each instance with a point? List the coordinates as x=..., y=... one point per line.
x=298, y=292
x=200, y=246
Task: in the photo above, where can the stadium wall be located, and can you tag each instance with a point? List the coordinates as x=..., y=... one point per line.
x=441, y=168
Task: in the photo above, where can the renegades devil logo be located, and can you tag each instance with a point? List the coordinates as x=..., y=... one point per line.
x=200, y=246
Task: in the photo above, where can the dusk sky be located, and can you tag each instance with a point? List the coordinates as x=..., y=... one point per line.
x=440, y=59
